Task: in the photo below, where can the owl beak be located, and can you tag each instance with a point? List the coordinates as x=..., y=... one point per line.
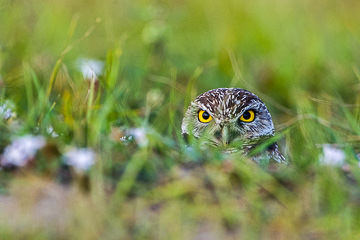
x=226, y=136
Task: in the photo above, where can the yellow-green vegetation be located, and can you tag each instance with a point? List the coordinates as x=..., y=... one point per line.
x=301, y=57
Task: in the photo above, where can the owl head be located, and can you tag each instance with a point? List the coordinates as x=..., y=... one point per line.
x=226, y=115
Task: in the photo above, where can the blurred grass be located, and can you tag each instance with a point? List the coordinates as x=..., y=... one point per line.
x=301, y=57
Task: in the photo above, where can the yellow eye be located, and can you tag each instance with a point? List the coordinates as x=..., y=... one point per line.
x=204, y=116
x=247, y=116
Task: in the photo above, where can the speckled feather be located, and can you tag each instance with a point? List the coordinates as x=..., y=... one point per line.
x=225, y=102
x=226, y=105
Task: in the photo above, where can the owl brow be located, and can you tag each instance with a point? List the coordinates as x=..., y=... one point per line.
x=251, y=106
x=206, y=107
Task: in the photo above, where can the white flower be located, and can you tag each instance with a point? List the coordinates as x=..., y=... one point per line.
x=81, y=159
x=6, y=110
x=90, y=68
x=332, y=156
x=139, y=134
x=50, y=130
x=21, y=150
x=126, y=139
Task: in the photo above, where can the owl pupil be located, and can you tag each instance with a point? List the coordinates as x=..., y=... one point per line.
x=205, y=115
x=246, y=115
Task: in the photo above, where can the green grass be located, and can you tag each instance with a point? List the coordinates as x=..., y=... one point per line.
x=301, y=57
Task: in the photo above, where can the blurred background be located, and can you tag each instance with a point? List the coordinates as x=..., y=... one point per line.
x=88, y=74
x=279, y=48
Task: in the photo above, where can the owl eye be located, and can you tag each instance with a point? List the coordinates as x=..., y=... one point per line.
x=247, y=116
x=204, y=116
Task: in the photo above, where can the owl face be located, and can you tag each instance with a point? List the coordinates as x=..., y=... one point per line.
x=227, y=115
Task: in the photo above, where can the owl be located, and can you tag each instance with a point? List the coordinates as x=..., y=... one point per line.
x=233, y=119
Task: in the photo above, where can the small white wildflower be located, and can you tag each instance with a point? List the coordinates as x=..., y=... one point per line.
x=332, y=156
x=50, y=130
x=139, y=135
x=90, y=68
x=81, y=159
x=6, y=110
x=126, y=139
x=21, y=150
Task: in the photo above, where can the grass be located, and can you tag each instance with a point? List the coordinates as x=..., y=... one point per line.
x=301, y=57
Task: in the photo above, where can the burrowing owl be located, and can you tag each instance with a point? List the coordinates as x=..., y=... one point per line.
x=233, y=118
